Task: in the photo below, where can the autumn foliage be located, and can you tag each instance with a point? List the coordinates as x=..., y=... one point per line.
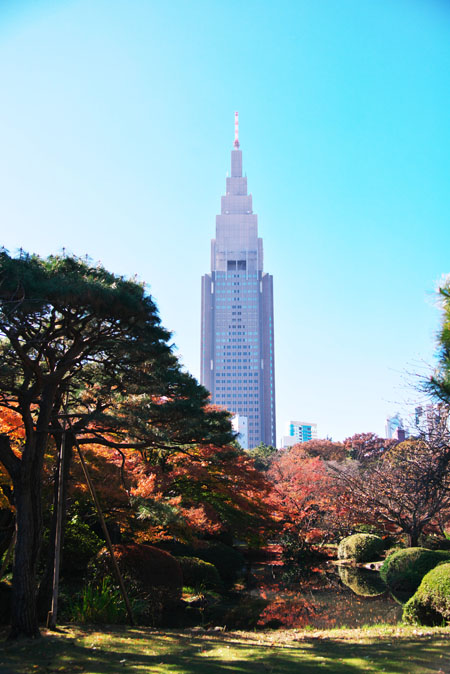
x=305, y=494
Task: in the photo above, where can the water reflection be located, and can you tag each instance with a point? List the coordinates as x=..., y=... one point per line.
x=361, y=582
x=320, y=597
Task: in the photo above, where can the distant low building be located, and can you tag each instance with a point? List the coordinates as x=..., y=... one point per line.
x=298, y=431
x=240, y=426
x=394, y=426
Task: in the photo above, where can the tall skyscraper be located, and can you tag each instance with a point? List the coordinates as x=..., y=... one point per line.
x=237, y=347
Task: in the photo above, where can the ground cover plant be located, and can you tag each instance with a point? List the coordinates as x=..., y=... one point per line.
x=393, y=650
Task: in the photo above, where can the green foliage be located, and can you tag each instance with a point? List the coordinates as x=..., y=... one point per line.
x=81, y=544
x=404, y=569
x=433, y=542
x=361, y=547
x=262, y=456
x=228, y=561
x=199, y=574
x=78, y=339
x=152, y=577
x=98, y=603
x=430, y=605
x=361, y=582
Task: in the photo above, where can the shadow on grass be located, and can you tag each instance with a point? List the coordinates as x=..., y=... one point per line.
x=133, y=650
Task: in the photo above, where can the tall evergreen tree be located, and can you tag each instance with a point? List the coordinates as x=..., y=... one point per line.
x=77, y=340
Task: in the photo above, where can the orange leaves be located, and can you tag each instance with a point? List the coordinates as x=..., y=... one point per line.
x=304, y=493
x=11, y=424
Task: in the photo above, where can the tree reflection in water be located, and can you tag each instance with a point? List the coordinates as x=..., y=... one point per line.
x=319, y=597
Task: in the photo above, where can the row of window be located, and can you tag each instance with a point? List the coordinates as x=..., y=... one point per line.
x=250, y=332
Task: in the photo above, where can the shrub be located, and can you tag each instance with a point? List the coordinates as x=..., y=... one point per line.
x=151, y=575
x=199, y=574
x=435, y=543
x=403, y=570
x=81, y=544
x=430, y=605
x=360, y=547
x=99, y=603
x=361, y=582
x=228, y=561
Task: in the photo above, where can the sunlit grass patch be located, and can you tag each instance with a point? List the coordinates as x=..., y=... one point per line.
x=135, y=650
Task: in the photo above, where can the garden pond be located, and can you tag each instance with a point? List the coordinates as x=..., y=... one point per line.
x=318, y=596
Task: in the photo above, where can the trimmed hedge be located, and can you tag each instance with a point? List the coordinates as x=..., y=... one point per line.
x=361, y=582
x=403, y=570
x=431, y=603
x=361, y=547
x=199, y=574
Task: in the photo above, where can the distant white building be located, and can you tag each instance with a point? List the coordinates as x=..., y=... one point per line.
x=393, y=425
x=298, y=431
x=240, y=426
x=431, y=418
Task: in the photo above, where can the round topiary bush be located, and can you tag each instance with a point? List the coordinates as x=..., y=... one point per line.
x=430, y=605
x=361, y=582
x=403, y=570
x=199, y=574
x=152, y=577
x=361, y=547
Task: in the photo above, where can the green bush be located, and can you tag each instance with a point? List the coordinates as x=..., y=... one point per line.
x=228, y=561
x=153, y=578
x=435, y=543
x=199, y=574
x=361, y=547
x=430, y=605
x=361, y=582
x=403, y=570
x=391, y=551
x=99, y=604
x=81, y=544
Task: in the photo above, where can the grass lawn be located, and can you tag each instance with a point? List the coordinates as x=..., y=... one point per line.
x=113, y=649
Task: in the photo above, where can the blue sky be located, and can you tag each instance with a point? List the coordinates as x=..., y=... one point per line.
x=116, y=123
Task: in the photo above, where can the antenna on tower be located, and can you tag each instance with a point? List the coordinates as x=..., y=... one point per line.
x=236, y=130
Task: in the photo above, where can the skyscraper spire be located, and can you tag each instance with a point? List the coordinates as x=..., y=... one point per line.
x=236, y=130
x=237, y=313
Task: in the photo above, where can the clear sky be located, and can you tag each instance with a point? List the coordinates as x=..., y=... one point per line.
x=116, y=124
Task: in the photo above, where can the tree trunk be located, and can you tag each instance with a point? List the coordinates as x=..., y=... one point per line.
x=44, y=596
x=413, y=538
x=27, y=494
x=7, y=528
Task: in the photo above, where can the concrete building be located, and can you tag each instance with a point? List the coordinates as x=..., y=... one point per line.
x=237, y=344
x=394, y=426
x=240, y=426
x=298, y=431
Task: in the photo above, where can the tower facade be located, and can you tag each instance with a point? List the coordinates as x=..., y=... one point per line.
x=237, y=332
